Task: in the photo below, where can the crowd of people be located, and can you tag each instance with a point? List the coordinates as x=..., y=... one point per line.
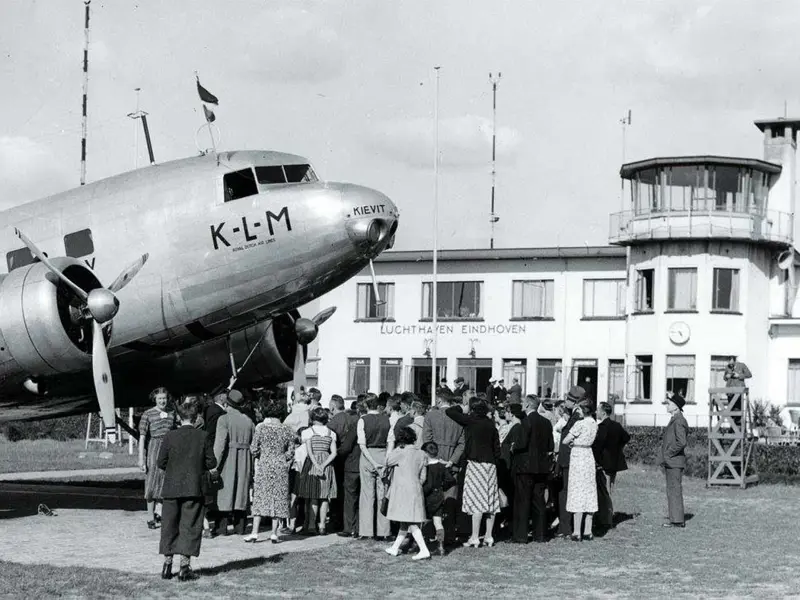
x=389, y=467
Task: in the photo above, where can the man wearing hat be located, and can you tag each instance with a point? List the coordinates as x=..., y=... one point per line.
x=232, y=451
x=461, y=387
x=673, y=458
x=575, y=395
x=490, y=391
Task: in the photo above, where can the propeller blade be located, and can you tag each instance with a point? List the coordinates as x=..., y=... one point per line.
x=129, y=273
x=40, y=255
x=378, y=300
x=324, y=315
x=104, y=387
x=299, y=378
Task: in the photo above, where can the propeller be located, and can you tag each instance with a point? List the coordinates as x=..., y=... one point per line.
x=101, y=306
x=306, y=331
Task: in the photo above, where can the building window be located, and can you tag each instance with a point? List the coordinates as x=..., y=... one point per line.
x=391, y=375
x=793, y=391
x=718, y=366
x=682, y=294
x=604, y=298
x=680, y=376
x=516, y=369
x=79, y=244
x=532, y=299
x=726, y=290
x=548, y=378
x=640, y=379
x=645, y=279
x=476, y=372
x=616, y=381
x=455, y=300
x=357, y=376
x=365, y=301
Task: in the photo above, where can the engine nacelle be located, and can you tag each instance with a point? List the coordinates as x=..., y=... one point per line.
x=273, y=360
x=41, y=321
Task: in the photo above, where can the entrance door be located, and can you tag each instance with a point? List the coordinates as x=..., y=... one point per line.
x=476, y=372
x=584, y=374
x=421, y=373
x=515, y=369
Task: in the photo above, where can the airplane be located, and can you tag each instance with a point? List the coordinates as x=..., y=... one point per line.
x=181, y=274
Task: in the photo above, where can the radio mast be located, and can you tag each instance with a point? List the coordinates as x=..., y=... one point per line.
x=85, y=88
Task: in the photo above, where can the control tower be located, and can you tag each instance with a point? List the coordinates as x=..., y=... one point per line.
x=710, y=269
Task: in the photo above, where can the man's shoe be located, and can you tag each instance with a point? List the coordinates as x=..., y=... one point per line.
x=673, y=524
x=344, y=534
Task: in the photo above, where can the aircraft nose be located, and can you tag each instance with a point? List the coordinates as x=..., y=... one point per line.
x=371, y=218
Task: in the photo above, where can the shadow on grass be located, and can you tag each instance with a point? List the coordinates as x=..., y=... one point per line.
x=240, y=565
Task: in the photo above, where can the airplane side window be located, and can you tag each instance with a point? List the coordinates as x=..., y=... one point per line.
x=239, y=184
x=79, y=243
x=269, y=175
x=19, y=258
x=300, y=173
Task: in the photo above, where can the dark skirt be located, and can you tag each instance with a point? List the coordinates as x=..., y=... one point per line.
x=181, y=526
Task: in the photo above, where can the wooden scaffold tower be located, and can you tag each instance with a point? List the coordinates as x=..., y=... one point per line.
x=730, y=438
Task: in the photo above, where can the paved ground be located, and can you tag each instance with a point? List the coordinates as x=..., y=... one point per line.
x=104, y=525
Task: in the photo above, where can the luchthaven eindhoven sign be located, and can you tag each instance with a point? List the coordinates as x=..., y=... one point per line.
x=454, y=329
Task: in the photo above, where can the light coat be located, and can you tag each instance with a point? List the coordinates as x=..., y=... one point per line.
x=232, y=451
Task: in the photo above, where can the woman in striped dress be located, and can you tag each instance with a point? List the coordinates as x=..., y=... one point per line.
x=153, y=426
x=482, y=451
x=317, y=481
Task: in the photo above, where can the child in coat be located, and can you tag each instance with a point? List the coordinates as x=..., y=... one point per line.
x=406, y=500
x=438, y=480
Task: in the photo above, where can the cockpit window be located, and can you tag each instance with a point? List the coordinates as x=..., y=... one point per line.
x=285, y=174
x=239, y=184
x=19, y=258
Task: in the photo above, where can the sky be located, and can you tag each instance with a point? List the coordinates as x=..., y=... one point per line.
x=350, y=84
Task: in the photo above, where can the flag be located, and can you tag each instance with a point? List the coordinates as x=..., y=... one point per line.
x=210, y=116
x=205, y=95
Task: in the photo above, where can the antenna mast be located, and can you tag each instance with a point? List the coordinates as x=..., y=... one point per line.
x=140, y=114
x=85, y=88
x=493, y=218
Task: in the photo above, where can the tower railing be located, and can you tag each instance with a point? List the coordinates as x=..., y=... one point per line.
x=768, y=226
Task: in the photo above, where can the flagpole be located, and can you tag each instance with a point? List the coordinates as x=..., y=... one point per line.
x=434, y=291
x=206, y=113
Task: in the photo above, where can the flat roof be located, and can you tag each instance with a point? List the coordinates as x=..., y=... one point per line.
x=628, y=170
x=504, y=254
x=794, y=123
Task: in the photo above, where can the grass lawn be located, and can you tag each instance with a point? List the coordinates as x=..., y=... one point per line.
x=739, y=543
x=50, y=455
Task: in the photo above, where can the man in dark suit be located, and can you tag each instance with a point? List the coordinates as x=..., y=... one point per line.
x=575, y=395
x=500, y=392
x=461, y=387
x=349, y=454
x=339, y=422
x=491, y=391
x=531, y=462
x=213, y=412
x=673, y=459
x=184, y=456
x=608, y=454
x=515, y=392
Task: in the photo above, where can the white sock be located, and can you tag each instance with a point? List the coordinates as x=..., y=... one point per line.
x=416, y=532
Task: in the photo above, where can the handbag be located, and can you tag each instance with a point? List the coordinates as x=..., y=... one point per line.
x=386, y=478
x=211, y=483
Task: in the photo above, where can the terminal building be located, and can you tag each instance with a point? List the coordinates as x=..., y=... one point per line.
x=701, y=267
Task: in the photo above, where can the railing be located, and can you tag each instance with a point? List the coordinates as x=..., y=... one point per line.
x=767, y=226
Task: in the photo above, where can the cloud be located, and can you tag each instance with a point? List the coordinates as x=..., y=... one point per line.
x=28, y=171
x=290, y=45
x=464, y=141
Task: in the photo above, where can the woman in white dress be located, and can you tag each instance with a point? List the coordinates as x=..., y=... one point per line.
x=582, y=486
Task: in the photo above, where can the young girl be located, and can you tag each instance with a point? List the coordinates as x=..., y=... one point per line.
x=316, y=483
x=406, y=501
x=438, y=480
